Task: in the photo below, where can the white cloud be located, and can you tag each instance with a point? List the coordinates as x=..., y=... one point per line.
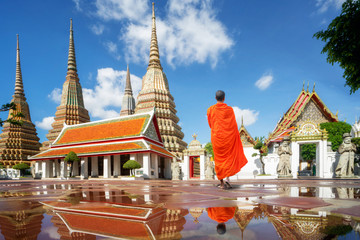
x=324, y=5
x=249, y=116
x=55, y=95
x=113, y=49
x=133, y=10
x=188, y=33
x=265, y=81
x=45, y=123
x=77, y=5
x=52, y=232
x=97, y=29
x=104, y=101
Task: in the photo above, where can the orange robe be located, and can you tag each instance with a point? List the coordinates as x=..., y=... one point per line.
x=229, y=154
x=221, y=214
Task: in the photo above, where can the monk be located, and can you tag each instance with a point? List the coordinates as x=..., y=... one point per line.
x=221, y=215
x=225, y=138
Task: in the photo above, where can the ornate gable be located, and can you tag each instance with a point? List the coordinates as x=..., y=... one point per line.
x=307, y=107
x=311, y=111
x=246, y=139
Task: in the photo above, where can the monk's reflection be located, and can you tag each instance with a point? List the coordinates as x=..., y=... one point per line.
x=221, y=215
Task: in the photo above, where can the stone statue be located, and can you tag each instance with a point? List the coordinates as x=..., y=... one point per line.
x=209, y=172
x=347, y=149
x=284, y=151
x=175, y=170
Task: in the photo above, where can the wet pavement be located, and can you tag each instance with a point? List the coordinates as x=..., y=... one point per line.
x=162, y=209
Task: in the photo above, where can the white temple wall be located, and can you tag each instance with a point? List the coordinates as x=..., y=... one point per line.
x=253, y=167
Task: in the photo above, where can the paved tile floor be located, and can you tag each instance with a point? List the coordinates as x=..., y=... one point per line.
x=163, y=209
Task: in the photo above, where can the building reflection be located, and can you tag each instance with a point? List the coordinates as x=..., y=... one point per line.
x=292, y=223
x=20, y=220
x=114, y=213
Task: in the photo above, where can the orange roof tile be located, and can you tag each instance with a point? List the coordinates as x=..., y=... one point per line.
x=161, y=150
x=103, y=130
x=106, y=226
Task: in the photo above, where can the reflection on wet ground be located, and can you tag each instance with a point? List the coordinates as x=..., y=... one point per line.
x=253, y=209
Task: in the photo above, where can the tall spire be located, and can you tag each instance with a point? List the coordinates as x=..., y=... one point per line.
x=128, y=102
x=72, y=109
x=19, y=87
x=155, y=94
x=128, y=88
x=18, y=142
x=154, y=60
x=71, y=57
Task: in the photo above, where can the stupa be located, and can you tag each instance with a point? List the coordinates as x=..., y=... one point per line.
x=155, y=93
x=18, y=142
x=71, y=110
x=128, y=102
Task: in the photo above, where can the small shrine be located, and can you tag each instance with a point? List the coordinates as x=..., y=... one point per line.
x=194, y=160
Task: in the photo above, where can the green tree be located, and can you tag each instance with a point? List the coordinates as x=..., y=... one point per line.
x=209, y=149
x=308, y=151
x=71, y=157
x=132, y=164
x=335, y=131
x=263, y=151
x=15, y=118
x=356, y=141
x=22, y=167
x=342, y=39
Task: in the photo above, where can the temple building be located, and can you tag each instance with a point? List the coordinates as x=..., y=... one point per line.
x=104, y=146
x=155, y=92
x=301, y=123
x=18, y=142
x=71, y=110
x=128, y=102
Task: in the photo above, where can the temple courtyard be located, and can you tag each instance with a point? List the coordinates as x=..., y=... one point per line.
x=307, y=208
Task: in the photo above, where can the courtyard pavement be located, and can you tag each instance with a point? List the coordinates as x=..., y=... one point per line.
x=321, y=197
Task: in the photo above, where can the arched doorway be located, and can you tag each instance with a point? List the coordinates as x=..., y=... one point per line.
x=309, y=133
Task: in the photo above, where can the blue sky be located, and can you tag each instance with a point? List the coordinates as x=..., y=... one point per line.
x=258, y=52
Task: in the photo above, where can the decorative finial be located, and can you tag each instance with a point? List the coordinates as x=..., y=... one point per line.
x=303, y=85
x=314, y=87
x=19, y=87
x=154, y=60
x=71, y=57
x=337, y=112
x=242, y=121
x=307, y=90
x=194, y=136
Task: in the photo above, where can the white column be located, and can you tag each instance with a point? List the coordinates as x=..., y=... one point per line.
x=84, y=168
x=146, y=165
x=45, y=169
x=51, y=168
x=37, y=163
x=94, y=167
x=117, y=168
x=54, y=168
x=156, y=165
x=63, y=170
x=186, y=168
x=295, y=159
x=322, y=155
x=202, y=167
x=107, y=167
x=75, y=171
x=133, y=156
x=57, y=167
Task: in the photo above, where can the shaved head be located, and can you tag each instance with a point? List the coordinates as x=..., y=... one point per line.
x=220, y=95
